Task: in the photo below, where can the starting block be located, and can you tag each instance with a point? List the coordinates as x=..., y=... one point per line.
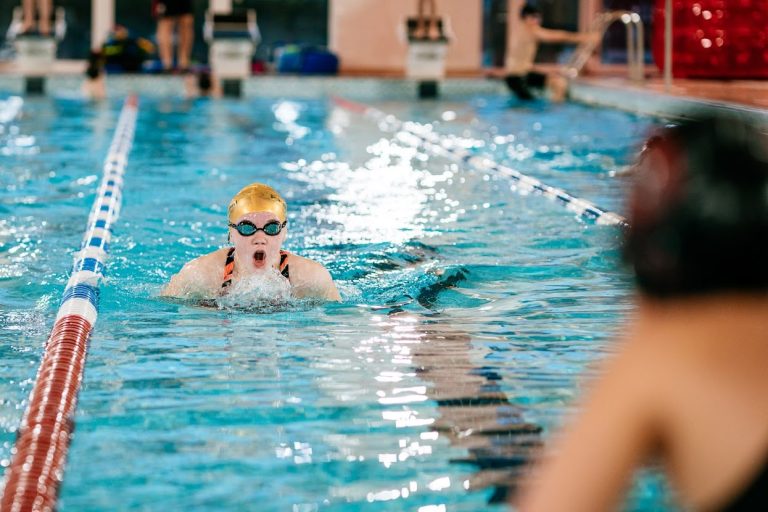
x=35, y=52
x=232, y=40
x=426, y=55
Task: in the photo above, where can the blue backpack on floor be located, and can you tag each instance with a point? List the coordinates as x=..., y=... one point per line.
x=306, y=60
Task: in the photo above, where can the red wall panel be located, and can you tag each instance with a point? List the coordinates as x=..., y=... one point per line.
x=714, y=38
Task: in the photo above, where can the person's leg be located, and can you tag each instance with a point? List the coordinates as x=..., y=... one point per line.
x=165, y=41
x=517, y=85
x=28, y=15
x=186, y=38
x=433, y=31
x=44, y=9
x=421, y=25
x=558, y=87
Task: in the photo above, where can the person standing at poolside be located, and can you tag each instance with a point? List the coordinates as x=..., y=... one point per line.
x=174, y=14
x=522, y=45
x=427, y=24
x=257, y=218
x=688, y=386
x=44, y=9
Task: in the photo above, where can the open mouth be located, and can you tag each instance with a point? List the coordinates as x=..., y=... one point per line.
x=259, y=258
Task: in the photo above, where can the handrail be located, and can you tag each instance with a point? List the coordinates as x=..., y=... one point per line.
x=635, y=44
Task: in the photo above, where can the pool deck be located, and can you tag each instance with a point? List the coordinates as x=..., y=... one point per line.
x=653, y=97
x=607, y=87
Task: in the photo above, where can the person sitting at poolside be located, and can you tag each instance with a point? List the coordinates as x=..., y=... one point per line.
x=688, y=385
x=522, y=44
x=257, y=220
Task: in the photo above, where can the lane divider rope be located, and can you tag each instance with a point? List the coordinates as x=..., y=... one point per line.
x=36, y=470
x=444, y=146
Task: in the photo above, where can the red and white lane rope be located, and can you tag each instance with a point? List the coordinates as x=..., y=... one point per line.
x=37, y=464
x=444, y=146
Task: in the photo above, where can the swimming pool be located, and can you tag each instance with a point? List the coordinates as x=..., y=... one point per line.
x=470, y=311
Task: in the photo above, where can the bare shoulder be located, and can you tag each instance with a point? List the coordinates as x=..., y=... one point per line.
x=310, y=278
x=198, y=277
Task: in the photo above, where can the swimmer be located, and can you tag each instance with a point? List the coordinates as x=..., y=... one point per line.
x=258, y=222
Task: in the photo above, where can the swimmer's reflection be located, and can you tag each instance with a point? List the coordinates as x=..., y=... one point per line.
x=475, y=414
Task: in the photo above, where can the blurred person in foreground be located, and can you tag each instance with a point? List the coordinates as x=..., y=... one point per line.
x=257, y=219
x=688, y=386
x=522, y=44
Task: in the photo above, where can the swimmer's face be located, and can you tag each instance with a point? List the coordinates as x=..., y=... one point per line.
x=532, y=19
x=258, y=252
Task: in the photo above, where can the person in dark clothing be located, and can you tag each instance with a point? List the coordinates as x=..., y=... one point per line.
x=688, y=384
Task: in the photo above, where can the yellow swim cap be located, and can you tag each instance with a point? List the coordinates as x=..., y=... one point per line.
x=257, y=197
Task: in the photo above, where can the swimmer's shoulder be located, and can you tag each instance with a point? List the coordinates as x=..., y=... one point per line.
x=202, y=275
x=304, y=265
x=310, y=278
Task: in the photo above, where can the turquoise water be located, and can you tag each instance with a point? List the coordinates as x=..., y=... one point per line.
x=470, y=312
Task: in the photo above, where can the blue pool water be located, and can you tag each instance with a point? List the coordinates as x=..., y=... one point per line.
x=470, y=312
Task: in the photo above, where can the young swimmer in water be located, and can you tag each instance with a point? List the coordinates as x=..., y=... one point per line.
x=257, y=220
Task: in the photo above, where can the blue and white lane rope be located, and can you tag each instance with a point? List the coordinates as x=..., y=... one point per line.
x=443, y=146
x=81, y=293
x=32, y=479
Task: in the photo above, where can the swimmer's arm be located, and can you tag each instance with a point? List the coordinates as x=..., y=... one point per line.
x=175, y=286
x=327, y=286
x=548, y=35
x=194, y=279
x=590, y=465
x=180, y=284
x=315, y=281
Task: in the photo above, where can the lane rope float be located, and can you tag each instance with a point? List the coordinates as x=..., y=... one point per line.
x=443, y=146
x=37, y=459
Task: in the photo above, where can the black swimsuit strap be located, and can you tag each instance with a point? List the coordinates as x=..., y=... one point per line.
x=284, y=264
x=753, y=496
x=229, y=268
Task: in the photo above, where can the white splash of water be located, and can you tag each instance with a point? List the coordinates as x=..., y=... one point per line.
x=267, y=289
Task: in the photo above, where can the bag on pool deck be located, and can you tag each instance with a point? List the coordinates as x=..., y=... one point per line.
x=319, y=61
x=306, y=60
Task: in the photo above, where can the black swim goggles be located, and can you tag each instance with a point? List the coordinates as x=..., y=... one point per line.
x=248, y=228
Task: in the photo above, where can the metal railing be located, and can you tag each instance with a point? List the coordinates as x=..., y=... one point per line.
x=635, y=44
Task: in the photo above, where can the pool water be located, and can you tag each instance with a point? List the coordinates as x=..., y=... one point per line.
x=470, y=312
